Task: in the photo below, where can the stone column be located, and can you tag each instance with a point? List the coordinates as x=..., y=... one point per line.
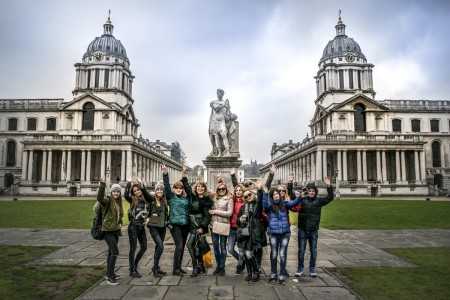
x=63, y=165
x=129, y=165
x=24, y=164
x=122, y=166
x=83, y=165
x=49, y=165
x=88, y=166
x=378, y=166
x=319, y=167
x=44, y=166
x=397, y=167
x=69, y=165
x=422, y=166
x=314, y=167
x=384, y=170
x=358, y=164
x=416, y=167
x=339, y=165
x=108, y=161
x=324, y=164
x=30, y=165
x=403, y=163
x=364, y=162
x=102, y=164
x=344, y=165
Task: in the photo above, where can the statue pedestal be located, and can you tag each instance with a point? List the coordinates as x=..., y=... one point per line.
x=215, y=165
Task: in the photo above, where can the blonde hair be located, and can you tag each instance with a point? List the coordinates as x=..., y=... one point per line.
x=227, y=195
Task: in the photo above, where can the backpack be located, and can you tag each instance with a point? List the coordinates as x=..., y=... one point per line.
x=96, y=230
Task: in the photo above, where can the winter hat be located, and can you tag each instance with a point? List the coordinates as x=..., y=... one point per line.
x=159, y=186
x=116, y=187
x=312, y=186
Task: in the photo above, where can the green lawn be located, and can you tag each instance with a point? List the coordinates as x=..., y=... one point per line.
x=19, y=280
x=383, y=214
x=58, y=214
x=428, y=281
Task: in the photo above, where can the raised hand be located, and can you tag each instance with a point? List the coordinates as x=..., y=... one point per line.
x=129, y=179
x=291, y=177
x=327, y=181
x=233, y=171
x=273, y=168
x=102, y=179
x=164, y=168
x=265, y=189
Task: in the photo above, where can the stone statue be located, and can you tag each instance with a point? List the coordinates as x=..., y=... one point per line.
x=222, y=126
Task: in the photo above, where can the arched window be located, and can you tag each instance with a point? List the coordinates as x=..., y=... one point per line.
x=436, y=153
x=360, y=117
x=88, y=116
x=11, y=154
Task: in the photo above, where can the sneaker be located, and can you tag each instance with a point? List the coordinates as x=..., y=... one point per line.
x=281, y=280
x=239, y=269
x=273, y=277
x=222, y=271
x=299, y=272
x=135, y=274
x=216, y=271
x=112, y=281
x=312, y=272
x=117, y=277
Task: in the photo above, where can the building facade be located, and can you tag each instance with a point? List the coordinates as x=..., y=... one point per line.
x=367, y=147
x=54, y=147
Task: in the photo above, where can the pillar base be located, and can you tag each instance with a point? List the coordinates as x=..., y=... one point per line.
x=223, y=165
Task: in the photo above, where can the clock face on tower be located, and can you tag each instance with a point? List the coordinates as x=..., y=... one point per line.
x=98, y=56
x=349, y=57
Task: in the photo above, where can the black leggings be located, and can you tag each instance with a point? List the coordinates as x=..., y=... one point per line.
x=111, y=239
x=179, y=235
x=136, y=233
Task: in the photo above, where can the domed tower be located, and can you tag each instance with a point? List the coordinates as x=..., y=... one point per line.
x=105, y=69
x=343, y=70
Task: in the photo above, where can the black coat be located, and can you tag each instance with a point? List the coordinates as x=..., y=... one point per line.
x=257, y=238
x=311, y=209
x=199, y=208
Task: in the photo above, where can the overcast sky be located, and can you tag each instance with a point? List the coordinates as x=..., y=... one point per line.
x=263, y=53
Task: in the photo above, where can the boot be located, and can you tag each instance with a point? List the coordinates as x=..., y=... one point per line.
x=156, y=272
x=254, y=264
x=249, y=270
x=201, y=268
x=134, y=272
x=194, y=271
x=161, y=271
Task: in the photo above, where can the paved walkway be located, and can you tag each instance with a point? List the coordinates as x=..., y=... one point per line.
x=343, y=248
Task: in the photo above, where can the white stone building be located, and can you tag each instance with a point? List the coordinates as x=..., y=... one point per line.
x=54, y=147
x=368, y=147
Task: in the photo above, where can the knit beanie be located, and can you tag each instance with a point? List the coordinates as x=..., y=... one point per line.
x=116, y=187
x=159, y=186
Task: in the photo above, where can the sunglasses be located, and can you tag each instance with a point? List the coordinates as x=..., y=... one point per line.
x=178, y=187
x=221, y=189
x=279, y=191
x=247, y=196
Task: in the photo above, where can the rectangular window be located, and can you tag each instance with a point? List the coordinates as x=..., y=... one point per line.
x=31, y=124
x=396, y=125
x=350, y=78
x=106, y=79
x=324, y=82
x=97, y=77
x=434, y=124
x=415, y=125
x=12, y=124
x=341, y=79
x=123, y=81
x=51, y=124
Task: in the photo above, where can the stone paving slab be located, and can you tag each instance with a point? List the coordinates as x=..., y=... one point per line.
x=342, y=248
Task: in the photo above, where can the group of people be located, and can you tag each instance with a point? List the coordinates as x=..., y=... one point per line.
x=251, y=211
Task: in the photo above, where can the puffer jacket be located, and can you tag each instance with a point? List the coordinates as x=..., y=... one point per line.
x=257, y=238
x=311, y=209
x=112, y=220
x=178, y=206
x=279, y=223
x=223, y=208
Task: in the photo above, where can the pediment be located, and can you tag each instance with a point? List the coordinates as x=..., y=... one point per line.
x=370, y=104
x=78, y=103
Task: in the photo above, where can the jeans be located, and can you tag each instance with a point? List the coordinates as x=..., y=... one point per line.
x=136, y=233
x=279, y=242
x=179, y=235
x=232, y=238
x=303, y=236
x=220, y=248
x=158, y=235
x=111, y=239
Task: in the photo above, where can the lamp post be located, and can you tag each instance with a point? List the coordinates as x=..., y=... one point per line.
x=338, y=194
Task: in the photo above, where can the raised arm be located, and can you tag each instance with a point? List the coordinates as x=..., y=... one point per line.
x=233, y=177
x=101, y=191
x=290, y=186
x=186, y=185
x=269, y=180
x=166, y=181
x=127, y=192
x=330, y=193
